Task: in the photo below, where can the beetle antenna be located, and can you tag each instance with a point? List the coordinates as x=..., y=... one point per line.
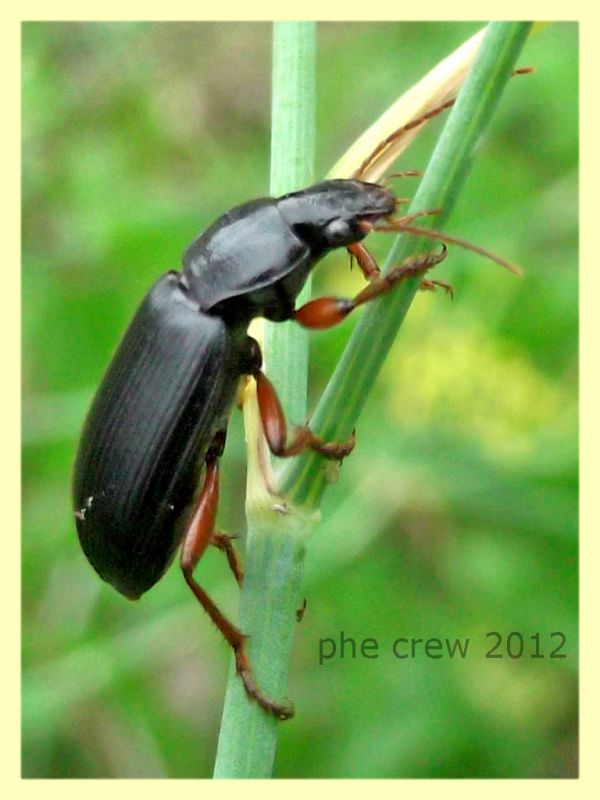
x=416, y=123
x=402, y=227
x=395, y=135
x=406, y=173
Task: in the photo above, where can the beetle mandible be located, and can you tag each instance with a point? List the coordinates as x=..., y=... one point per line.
x=159, y=418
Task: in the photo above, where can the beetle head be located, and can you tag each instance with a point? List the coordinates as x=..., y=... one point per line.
x=330, y=213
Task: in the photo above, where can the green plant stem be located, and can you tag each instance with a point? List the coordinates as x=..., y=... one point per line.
x=304, y=481
x=275, y=542
x=292, y=167
x=275, y=551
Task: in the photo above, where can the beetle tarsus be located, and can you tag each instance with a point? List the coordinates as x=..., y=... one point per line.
x=431, y=286
x=275, y=428
x=410, y=268
x=336, y=451
x=281, y=711
x=237, y=641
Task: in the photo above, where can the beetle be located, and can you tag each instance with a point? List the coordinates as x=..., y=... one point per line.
x=157, y=425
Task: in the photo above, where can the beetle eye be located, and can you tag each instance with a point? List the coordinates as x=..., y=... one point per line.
x=338, y=233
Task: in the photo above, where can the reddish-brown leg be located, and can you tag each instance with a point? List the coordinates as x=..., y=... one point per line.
x=275, y=428
x=224, y=542
x=370, y=268
x=199, y=535
x=325, y=312
x=431, y=286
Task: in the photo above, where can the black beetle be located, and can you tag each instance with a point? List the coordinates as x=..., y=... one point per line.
x=160, y=414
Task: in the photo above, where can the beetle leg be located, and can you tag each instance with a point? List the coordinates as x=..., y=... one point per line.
x=431, y=286
x=275, y=428
x=199, y=534
x=368, y=266
x=325, y=312
x=223, y=542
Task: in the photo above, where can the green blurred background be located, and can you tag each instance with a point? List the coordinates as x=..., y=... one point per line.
x=457, y=514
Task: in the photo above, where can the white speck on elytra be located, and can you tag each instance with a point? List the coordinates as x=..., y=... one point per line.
x=83, y=510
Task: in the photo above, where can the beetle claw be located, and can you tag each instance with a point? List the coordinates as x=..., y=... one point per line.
x=281, y=711
x=431, y=286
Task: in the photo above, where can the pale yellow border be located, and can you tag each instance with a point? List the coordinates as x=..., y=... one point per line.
x=586, y=13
